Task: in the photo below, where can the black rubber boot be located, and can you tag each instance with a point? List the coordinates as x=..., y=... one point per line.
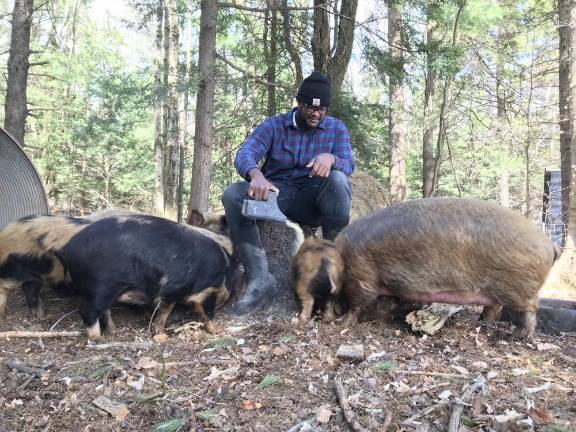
x=261, y=285
x=332, y=226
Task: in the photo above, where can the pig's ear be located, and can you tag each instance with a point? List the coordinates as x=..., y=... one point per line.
x=195, y=218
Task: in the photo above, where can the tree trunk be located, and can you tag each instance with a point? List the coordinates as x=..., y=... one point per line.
x=185, y=89
x=429, y=122
x=204, y=126
x=172, y=154
x=502, y=44
x=321, y=37
x=339, y=61
x=15, y=108
x=446, y=96
x=397, y=132
x=294, y=55
x=334, y=66
x=271, y=57
x=158, y=116
x=564, y=93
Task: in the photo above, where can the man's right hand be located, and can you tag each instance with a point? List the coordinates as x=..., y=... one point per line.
x=259, y=186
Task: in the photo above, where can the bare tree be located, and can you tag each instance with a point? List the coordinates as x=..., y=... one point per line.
x=204, y=127
x=271, y=54
x=289, y=45
x=158, y=115
x=397, y=131
x=429, y=121
x=171, y=117
x=15, y=106
x=565, y=33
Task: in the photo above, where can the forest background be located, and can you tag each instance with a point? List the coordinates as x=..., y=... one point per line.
x=442, y=98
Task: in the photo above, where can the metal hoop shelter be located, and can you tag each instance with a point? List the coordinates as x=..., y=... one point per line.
x=22, y=192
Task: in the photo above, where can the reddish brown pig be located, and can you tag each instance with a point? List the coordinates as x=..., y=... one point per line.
x=316, y=273
x=447, y=250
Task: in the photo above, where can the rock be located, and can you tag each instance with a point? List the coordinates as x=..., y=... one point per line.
x=116, y=409
x=350, y=353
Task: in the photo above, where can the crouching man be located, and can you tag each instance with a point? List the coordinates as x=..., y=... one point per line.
x=307, y=160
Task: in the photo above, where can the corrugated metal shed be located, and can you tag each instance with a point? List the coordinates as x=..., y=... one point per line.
x=21, y=189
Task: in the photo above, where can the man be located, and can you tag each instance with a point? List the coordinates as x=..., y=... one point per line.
x=308, y=160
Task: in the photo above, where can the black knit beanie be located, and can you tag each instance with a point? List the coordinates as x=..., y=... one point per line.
x=315, y=90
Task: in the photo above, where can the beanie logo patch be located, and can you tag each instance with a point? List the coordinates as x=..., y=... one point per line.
x=315, y=102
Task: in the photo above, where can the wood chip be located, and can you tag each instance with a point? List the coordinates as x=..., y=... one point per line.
x=118, y=410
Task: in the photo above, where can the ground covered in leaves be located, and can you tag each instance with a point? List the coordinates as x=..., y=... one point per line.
x=266, y=374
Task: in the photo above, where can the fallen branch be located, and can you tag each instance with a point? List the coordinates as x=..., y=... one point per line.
x=427, y=411
x=436, y=374
x=15, y=364
x=128, y=345
x=567, y=359
x=458, y=409
x=346, y=409
x=39, y=334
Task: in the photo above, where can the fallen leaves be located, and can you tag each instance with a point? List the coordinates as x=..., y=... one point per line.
x=323, y=413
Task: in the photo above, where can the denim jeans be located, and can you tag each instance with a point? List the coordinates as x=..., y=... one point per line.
x=317, y=201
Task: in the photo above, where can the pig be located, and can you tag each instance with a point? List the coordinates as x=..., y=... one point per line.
x=115, y=257
x=28, y=260
x=316, y=277
x=447, y=250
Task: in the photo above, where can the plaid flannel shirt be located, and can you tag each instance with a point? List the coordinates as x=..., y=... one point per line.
x=287, y=149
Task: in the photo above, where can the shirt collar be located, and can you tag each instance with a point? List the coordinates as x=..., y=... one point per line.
x=290, y=120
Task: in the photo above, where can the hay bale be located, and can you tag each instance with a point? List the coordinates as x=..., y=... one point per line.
x=368, y=195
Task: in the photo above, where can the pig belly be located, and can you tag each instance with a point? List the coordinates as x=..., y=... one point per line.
x=452, y=297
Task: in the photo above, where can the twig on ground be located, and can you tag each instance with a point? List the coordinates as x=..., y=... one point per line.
x=346, y=409
x=426, y=411
x=436, y=374
x=128, y=345
x=387, y=421
x=53, y=326
x=567, y=359
x=40, y=334
x=477, y=386
x=15, y=364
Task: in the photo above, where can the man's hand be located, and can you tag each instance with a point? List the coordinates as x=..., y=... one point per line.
x=321, y=165
x=259, y=186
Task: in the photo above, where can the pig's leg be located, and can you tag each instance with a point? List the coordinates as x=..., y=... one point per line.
x=328, y=315
x=352, y=317
x=3, y=301
x=491, y=313
x=32, y=293
x=208, y=323
x=162, y=316
x=528, y=327
x=307, y=305
x=107, y=323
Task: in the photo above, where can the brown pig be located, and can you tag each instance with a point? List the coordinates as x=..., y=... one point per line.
x=316, y=272
x=447, y=250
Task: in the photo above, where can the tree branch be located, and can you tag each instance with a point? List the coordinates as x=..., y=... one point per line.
x=248, y=74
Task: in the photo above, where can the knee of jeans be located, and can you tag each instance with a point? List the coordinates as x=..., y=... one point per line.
x=339, y=182
x=234, y=194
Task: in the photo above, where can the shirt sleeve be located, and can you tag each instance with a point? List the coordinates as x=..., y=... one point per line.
x=254, y=148
x=342, y=150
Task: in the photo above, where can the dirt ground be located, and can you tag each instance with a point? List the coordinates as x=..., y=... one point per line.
x=266, y=374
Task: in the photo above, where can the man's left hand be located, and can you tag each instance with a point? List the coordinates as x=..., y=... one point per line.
x=321, y=165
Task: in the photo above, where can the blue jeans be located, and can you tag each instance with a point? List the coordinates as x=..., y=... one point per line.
x=317, y=201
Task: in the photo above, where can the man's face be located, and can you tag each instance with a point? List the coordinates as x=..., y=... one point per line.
x=312, y=115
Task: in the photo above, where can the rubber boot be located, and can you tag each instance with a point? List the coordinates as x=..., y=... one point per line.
x=261, y=285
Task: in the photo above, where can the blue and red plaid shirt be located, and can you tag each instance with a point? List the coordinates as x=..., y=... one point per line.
x=287, y=149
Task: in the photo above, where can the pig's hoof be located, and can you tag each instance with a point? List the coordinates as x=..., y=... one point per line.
x=160, y=338
x=212, y=328
x=523, y=333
